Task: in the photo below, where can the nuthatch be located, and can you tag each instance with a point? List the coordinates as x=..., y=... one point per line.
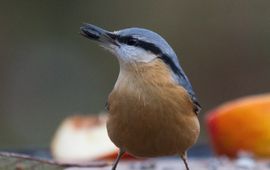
x=153, y=109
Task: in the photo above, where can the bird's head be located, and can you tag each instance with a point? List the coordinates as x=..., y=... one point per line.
x=131, y=45
x=138, y=45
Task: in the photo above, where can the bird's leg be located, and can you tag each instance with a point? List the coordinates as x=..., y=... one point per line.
x=120, y=154
x=184, y=158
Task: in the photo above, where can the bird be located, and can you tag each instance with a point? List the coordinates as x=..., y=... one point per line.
x=153, y=110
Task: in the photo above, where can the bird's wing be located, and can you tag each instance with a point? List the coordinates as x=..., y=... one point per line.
x=183, y=81
x=181, y=78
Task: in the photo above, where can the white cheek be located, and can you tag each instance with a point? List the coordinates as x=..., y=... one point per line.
x=134, y=54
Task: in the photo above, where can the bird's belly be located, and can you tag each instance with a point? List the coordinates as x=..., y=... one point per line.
x=150, y=133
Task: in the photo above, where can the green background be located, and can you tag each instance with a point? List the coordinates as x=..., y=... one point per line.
x=48, y=71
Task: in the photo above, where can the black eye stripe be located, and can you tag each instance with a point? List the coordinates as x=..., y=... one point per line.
x=150, y=47
x=126, y=39
x=139, y=43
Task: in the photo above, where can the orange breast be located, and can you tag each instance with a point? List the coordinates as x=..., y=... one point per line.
x=150, y=115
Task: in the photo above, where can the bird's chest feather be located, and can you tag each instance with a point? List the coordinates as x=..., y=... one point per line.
x=143, y=103
x=145, y=88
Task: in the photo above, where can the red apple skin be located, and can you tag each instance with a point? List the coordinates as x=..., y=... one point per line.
x=241, y=125
x=113, y=156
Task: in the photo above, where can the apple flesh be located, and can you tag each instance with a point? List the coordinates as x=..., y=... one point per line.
x=241, y=125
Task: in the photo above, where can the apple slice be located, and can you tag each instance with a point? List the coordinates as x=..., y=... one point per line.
x=82, y=138
x=241, y=125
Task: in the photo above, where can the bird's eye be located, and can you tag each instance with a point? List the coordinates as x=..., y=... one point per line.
x=132, y=41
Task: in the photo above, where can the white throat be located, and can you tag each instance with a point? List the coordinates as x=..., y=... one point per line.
x=131, y=54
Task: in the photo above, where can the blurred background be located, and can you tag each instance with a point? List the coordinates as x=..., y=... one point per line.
x=48, y=71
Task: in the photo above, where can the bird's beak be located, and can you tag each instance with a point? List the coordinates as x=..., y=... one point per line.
x=98, y=34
